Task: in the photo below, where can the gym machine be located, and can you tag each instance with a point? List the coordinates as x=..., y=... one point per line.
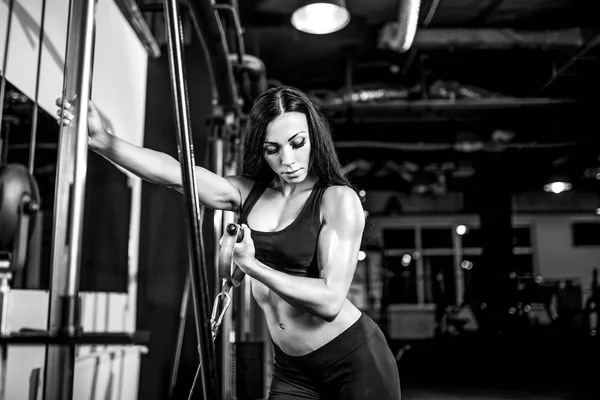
x=19, y=203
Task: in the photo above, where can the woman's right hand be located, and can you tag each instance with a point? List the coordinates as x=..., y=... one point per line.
x=97, y=132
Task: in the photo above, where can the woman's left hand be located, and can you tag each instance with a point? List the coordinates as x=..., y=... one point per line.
x=243, y=253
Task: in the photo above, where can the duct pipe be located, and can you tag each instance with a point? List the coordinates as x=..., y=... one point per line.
x=257, y=75
x=399, y=36
x=210, y=31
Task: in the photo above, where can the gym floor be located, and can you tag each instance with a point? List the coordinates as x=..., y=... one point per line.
x=501, y=369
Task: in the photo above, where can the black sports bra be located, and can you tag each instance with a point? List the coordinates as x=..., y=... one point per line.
x=292, y=249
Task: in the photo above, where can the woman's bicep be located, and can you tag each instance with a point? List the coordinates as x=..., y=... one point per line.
x=340, y=237
x=217, y=192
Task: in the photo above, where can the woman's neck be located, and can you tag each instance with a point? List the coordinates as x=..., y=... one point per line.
x=291, y=189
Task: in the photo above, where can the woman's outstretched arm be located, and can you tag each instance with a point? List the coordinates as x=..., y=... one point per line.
x=214, y=191
x=338, y=246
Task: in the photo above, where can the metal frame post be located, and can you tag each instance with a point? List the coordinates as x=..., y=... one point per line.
x=199, y=284
x=69, y=202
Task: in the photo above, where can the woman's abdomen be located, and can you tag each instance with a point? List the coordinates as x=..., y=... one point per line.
x=295, y=331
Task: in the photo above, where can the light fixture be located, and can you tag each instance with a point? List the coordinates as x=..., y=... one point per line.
x=558, y=183
x=320, y=17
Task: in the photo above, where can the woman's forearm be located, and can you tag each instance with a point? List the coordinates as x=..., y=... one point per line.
x=150, y=165
x=312, y=295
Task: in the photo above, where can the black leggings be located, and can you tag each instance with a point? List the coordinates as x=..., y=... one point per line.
x=356, y=365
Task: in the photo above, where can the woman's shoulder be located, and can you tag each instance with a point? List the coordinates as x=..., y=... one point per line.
x=340, y=196
x=339, y=191
x=341, y=203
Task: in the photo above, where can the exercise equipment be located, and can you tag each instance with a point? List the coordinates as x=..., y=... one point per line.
x=229, y=274
x=19, y=204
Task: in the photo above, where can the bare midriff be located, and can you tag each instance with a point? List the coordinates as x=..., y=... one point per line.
x=297, y=332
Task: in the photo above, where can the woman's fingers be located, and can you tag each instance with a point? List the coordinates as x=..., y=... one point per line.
x=60, y=102
x=247, y=232
x=64, y=116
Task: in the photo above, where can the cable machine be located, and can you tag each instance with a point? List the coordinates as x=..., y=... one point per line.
x=19, y=203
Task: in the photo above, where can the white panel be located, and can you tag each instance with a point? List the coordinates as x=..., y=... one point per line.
x=117, y=307
x=92, y=377
x=110, y=374
x=119, y=91
x=130, y=375
x=26, y=309
x=22, y=62
x=87, y=319
x=120, y=64
x=53, y=53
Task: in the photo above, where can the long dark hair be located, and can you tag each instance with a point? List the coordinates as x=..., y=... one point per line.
x=269, y=105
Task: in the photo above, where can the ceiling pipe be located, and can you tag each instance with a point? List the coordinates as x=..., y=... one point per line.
x=399, y=35
x=255, y=69
x=209, y=29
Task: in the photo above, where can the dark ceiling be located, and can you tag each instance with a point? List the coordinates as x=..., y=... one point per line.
x=512, y=47
x=511, y=83
x=517, y=78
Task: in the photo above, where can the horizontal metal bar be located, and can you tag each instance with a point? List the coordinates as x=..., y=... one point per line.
x=109, y=352
x=45, y=337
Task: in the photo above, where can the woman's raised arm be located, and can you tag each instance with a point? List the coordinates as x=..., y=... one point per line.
x=214, y=191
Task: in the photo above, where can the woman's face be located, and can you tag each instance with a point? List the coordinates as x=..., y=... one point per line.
x=287, y=146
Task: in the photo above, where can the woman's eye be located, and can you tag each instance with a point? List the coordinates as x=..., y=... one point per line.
x=270, y=151
x=298, y=145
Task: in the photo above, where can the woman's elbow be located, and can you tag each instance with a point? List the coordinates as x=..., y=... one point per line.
x=331, y=309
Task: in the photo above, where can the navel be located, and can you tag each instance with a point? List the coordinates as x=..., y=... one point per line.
x=282, y=326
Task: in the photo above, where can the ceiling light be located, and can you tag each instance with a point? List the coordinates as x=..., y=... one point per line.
x=320, y=17
x=558, y=183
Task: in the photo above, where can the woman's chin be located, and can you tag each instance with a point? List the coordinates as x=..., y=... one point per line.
x=294, y=178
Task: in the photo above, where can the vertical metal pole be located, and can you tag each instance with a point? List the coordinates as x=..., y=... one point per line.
x=34, y=118
x=69, y=202
x=3, y=77
x=185, y=301
x=224, y=345
x=216, y=138
x=199, y=280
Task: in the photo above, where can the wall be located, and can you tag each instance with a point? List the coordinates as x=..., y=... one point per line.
x=557, y=258
x=549, y=215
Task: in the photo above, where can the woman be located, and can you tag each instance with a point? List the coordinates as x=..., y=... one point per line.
x=302, y=227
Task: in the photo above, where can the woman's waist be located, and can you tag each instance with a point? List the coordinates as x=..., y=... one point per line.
x=298, y=332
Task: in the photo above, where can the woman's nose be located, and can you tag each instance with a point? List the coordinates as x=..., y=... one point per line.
x=287, y=156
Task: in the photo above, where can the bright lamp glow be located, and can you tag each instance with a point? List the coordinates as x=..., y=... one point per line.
x=320, y=18
x=557, y=187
